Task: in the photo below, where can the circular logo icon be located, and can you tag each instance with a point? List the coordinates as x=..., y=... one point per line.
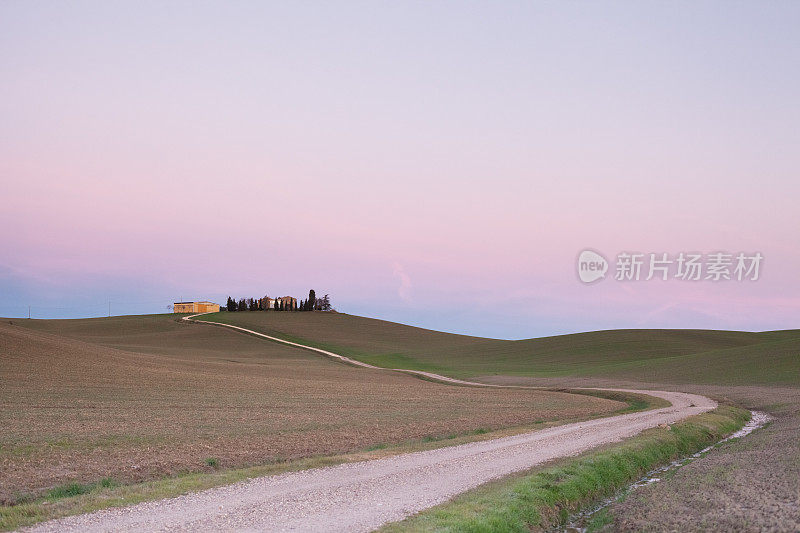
x=591, y=266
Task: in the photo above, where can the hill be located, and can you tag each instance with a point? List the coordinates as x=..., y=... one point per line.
x=664, y=356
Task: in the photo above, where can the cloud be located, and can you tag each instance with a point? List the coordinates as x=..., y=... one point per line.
x=403, y=291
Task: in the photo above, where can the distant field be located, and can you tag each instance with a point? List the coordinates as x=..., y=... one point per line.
x=659, y=356
x=141, y=397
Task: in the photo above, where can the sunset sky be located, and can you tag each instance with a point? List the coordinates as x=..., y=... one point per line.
x=441, y=164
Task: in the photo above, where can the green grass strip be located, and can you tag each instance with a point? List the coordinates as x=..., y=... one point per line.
x=545, y=497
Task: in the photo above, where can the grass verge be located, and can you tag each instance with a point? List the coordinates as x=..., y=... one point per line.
x=78, y=498
x=545, y=497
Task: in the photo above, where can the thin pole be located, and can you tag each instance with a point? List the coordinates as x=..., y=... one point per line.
x=29, y=312
x=109, y=308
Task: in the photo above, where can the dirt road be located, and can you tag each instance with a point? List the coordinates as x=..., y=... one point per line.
x=362, y=496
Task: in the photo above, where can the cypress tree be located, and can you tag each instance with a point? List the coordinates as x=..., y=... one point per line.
x=312, y=300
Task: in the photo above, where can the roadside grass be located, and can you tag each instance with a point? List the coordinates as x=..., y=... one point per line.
x=78, y=498
x=75, y=489
x=544, y=497
x=599, y=520
x=635, y=401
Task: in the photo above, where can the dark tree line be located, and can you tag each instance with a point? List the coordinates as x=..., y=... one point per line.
x=274, y=304
x=316, y=304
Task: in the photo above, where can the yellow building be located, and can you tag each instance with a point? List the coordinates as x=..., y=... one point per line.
x=195, y=307
x=288, y=302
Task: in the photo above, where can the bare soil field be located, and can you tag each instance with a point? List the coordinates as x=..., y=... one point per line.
x=752, y=484
x=361, y=496
x=136, y=398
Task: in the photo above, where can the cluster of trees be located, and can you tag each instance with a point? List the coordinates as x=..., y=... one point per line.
x=316, y=304
x=254, y=304
x=261, y=304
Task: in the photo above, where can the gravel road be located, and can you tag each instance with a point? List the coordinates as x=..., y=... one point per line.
x=364, y=495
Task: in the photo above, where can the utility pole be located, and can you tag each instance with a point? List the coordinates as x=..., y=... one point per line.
x=29, y=312
x=109, y=308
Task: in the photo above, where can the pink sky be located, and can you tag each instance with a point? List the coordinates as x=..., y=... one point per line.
x=437, y=165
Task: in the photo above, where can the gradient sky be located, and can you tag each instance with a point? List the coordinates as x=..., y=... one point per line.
x=440, y=164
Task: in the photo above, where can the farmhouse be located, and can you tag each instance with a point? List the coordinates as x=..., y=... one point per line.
x=195, y=307
x=287, y=301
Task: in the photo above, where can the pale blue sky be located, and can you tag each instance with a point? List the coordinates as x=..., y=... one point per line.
x=414, y=159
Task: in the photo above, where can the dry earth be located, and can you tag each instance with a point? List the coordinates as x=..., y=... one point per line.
x=749, y=485
x=361, y=496
x=135, y=398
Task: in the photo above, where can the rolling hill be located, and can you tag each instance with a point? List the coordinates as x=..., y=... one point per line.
x=665, y=356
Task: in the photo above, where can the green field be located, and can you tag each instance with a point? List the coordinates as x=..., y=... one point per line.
x=658, y=356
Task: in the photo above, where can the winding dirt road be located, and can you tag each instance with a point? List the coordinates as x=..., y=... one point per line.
x=364, y=495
